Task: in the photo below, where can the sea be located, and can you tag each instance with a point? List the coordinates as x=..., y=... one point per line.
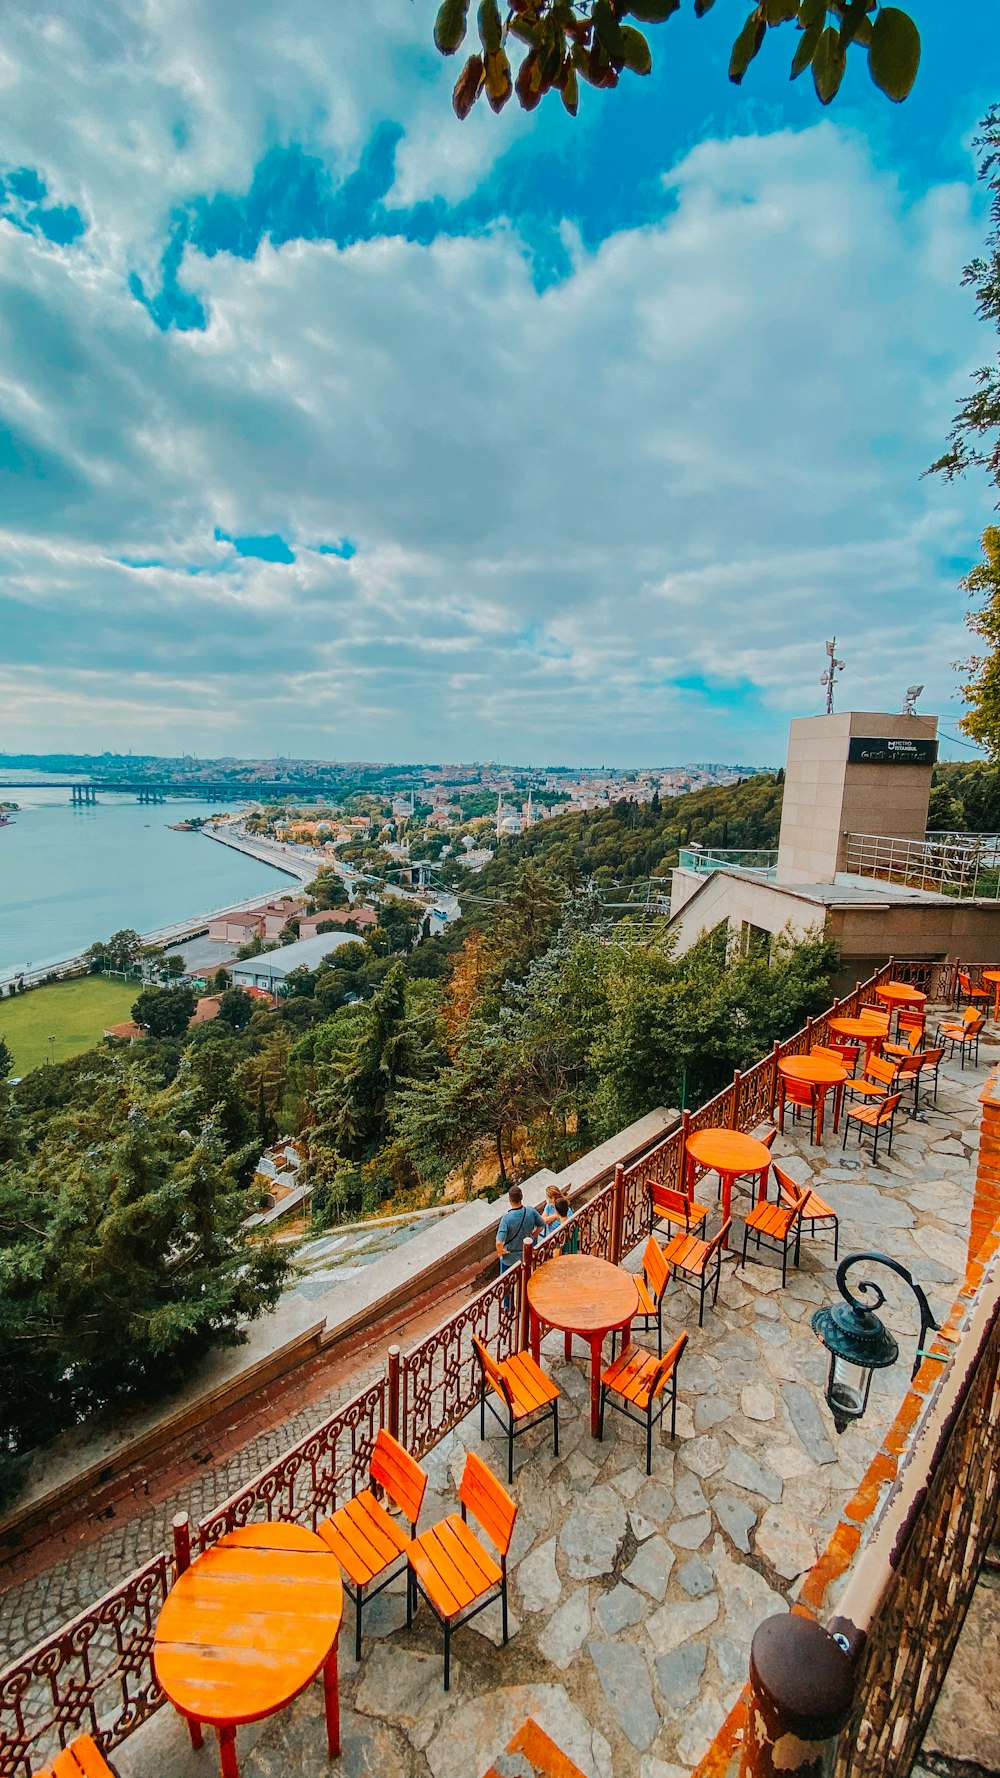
x=69, y=876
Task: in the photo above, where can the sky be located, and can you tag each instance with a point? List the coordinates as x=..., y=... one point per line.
x=334, y=428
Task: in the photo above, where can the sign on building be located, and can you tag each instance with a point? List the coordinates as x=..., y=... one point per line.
x=869, y=750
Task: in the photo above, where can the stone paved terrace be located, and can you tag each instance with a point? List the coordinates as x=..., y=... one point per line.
x=634, y=1600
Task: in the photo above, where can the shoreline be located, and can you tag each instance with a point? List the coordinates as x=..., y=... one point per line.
x=70, y=968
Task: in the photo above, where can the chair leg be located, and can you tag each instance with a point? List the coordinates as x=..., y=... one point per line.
x=555, y=1426
x=673, y=1406
x=784, y=1262
x=410, y=1588
x=482, y=1408
x=701, y=1302
x=503, y=1602
x=510, y=1449
x=649, y=1439
x=847, y=1121
x=718, y=1275
x=836, y=1238
x=659, y=1328
x=357, y=1625
x=743, y=1262
x=447, y=1657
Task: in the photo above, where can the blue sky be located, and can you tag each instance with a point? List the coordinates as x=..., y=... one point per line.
x=330, y=426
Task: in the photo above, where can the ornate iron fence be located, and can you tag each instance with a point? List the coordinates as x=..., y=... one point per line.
x=440, y=1377
x=95, y=1675
x=96, y=1672
x=308, y=1482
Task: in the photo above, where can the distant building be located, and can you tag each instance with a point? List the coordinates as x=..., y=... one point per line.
x=363, y=918
x=270, y=969
x=268, y=921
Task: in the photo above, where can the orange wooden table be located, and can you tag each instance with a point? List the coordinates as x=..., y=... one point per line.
x=817, y=1072
x=730, y=1154
x=247, y=1627
x=860, y=1031
x=580, y=1294
x=896, y=994
x=993, y=976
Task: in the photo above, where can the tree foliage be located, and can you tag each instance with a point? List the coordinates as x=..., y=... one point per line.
x=164, y=1012
x=122, y=1257
x=556, y=44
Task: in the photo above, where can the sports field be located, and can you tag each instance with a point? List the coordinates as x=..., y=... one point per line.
x=74, y=1013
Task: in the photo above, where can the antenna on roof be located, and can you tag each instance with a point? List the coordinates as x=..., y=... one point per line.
x=910, y=700
x=829, y=678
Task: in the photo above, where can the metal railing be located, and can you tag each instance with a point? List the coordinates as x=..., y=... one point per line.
x=95, y=1674
x=947, y=864
x=702, y=859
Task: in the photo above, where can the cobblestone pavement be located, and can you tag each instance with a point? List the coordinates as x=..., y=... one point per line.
x=75, y=1577
x=634, y=1600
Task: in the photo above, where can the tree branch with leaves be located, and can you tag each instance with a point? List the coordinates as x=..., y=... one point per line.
x=557, y=43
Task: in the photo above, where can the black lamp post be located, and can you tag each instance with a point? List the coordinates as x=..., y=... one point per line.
x=858, y=1342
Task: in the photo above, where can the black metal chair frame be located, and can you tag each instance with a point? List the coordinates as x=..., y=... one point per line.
x=514, y=1428
x=876, y=1130
x=648, y=1419
x=360, y=1596
x=699, y=1280
x=414, y=1592
x=775, y=1246
x=962, y=1044
x=797, y=1105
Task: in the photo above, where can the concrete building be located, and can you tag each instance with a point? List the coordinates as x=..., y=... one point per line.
x=356, y=916
x=270, y=970
x=853, y=860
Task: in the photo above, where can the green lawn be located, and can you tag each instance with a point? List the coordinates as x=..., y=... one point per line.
x=74, y=1013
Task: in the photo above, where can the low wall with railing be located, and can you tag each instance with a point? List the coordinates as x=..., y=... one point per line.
x=96, y=1673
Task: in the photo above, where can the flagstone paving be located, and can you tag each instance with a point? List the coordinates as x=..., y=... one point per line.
x=634, y=1600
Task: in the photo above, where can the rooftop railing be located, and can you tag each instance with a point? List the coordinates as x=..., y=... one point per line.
x=703, y=859
x=95, y=1674
x=963, y=865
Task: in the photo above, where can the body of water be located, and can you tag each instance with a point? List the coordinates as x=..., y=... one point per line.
x=69, y=875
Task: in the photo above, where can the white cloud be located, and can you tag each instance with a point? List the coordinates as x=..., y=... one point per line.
x=692, y=460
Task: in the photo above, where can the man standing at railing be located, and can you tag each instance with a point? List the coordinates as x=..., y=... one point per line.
x=514, y=1228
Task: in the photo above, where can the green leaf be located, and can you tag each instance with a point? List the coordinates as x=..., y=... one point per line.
x=894, y=53
x=780, y=12
x=746, y=46
x=499, y=84
x=828, y=66
x=701, y=7
x=450, y=24
x=806, y=50
x=653, y=12
x=812, y=12
x=855, y=15
x=571, y=91
x=490, y=28
x=608, y=30
x=637, y=56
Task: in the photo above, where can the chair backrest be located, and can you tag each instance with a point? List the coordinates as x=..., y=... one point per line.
x=887, y=1108
x=788, y=1188
x=848, y=1052
x=668, y=1364
x=800, y=1092
x=910, y=1021
x=769, y=1139
x=399, y=1474
x=718, y=1240
x=933, y=1058
x=492, y=1372
x=489, y=1503
x=670, y=1202
x=881, y=1071
x=655, y=1268
x=796, y=1202
x=971, y=1017
x=910, y=1065
x=965, y=982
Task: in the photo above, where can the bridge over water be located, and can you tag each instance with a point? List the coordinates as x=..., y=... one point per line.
x=157, y=790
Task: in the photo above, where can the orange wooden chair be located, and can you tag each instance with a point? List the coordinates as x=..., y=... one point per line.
x=367, y=1541
x=965, y=1036
x=932, y=1064
x=528, y=1395
x=673, y=1206
x=651, y=1284
x=450, y=1565
x=747, y=1184
x=81, y=1759
x=699, y=1263
x=777, y=1225
x=877, y=1081
x=538, y=1757
x=797, y=1094
x=874, y=1118
x=640, y=1381
x=814, y=1211
x=973, y=993
x=839, y=1051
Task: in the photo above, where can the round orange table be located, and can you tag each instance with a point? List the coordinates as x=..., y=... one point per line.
x=817, y=1072
x=247, y=1627
x=730, y=1154
x=993, y=975
x=894, y=995
x=860, y=1030
x=580, y=1294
